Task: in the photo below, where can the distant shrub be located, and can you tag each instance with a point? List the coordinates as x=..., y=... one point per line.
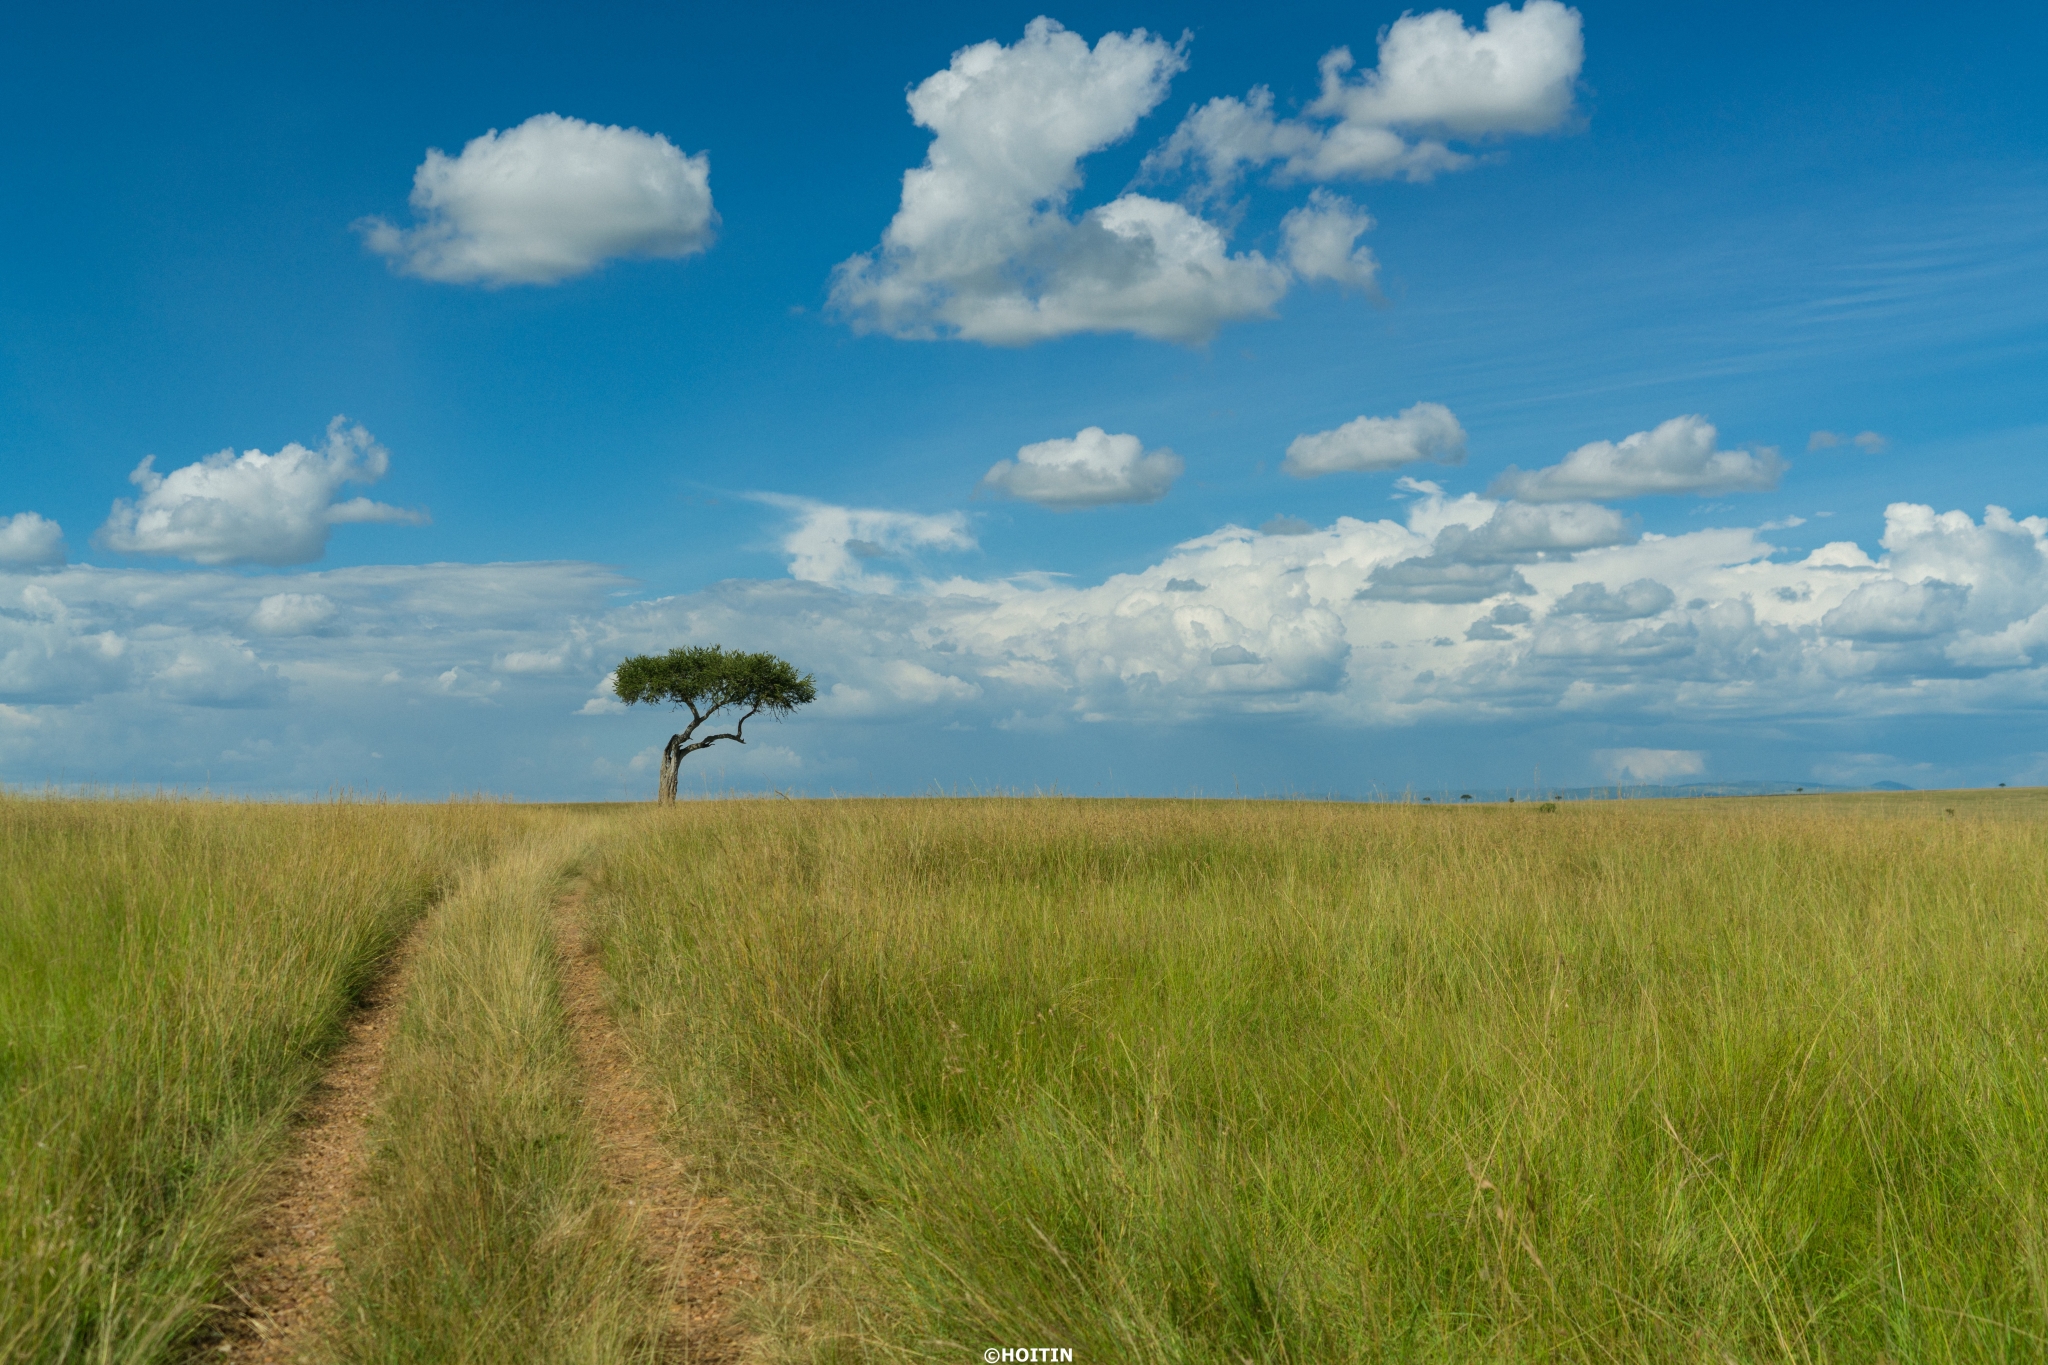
x=1547, y=806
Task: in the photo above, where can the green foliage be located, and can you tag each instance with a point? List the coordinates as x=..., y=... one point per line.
x=707, y=678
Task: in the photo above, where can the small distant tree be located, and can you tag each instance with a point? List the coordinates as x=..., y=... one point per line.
x=705, y=680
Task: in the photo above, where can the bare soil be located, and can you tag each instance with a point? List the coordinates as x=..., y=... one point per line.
x=284, y=1288
x=691, y=1240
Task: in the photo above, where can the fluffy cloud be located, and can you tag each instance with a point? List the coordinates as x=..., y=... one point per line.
x=253, y=508
x=1888, y=611
x=848, y=546
x=1366, y=623
x=548, y=200
x=1321, y=241
x=2000, y=561
x=1473, y=562
x=291, y=613
x=49, y=653
x=1677, y=456
x=208, y=670
x=982, y=246
x=1644, y=597
x=1426, y=431
x=28, y=539
x=78, y=633
x=1532, y=616
x=1495, y=625
x=1436, y=80
x=1518, y=533
x=1089, y=469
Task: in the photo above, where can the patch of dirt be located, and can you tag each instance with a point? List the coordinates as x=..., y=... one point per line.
x=284, y=1288
x=691, y=1238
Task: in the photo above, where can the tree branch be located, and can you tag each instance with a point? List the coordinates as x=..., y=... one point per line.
x=736, y=736
x=705, y=743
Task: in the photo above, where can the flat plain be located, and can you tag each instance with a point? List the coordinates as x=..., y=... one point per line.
x=1758, y=1079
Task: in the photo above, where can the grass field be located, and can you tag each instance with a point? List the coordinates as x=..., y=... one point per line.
x=1637, y=1081
x=1755, y=1080
x=171, y=974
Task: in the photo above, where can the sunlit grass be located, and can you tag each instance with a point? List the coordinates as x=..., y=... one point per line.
x=1751, y=1080
x=486, y=1233
x=171, y=975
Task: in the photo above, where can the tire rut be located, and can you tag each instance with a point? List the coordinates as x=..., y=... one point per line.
x=284, y=1287
x=689, y=1239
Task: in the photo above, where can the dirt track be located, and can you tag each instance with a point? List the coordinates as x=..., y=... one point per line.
x=688, y=1236
x=284, y=1289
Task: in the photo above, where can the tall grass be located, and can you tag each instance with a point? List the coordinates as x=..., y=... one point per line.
x=487, y=1233
x=171, y=974
x=1205, y=1082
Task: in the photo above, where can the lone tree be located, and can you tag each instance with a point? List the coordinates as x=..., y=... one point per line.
x=707, y=679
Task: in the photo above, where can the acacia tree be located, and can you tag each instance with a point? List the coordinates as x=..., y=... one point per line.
x=706, y=679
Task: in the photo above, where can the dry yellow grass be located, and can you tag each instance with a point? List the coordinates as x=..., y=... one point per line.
x=1749, y=1080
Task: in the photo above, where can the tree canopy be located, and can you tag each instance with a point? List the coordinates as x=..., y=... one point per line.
x=707, y=679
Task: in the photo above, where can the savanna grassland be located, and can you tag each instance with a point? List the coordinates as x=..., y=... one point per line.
x=171, y=975
x=1152, y=1080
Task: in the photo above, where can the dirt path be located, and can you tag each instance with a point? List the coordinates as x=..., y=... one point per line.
x=690, y=1237
x=285, y=1287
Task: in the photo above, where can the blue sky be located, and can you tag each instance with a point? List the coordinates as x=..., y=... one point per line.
x=599, y=418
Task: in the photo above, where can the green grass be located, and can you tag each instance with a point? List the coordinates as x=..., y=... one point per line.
x=487, y=1233
x=171, y=975
x=1696, y=1081
x=1749, y=1080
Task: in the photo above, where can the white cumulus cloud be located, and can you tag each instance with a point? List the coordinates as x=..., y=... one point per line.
x=1632, y=601
x=2002, y=561
x=215, y=671
x=1677, y=456
x=1562, y=618
x=254, y=508
x=291, y=613
x=1426, y=431
x=983, y=246
x=548, y=200
x=1436, y=80
x=28, y=539
x=1321, y=241
x=1473, y=561
x=1888, y=611
x=1089, y=469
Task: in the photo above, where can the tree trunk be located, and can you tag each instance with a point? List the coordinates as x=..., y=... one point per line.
x=671, y=760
